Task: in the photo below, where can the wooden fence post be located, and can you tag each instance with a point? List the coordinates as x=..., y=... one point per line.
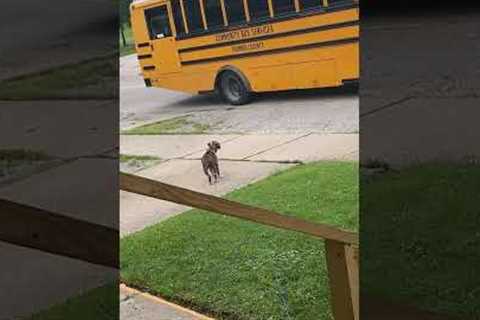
x=338, y=274
x=352, y=255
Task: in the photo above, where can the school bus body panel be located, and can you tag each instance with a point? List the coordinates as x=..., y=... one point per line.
x=311, y=51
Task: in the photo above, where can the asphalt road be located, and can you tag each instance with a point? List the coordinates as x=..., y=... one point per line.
x=320, y=111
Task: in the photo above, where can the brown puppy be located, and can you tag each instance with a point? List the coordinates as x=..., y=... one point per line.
x=210, y=161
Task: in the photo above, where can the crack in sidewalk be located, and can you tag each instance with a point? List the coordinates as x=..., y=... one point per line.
x=198, y=150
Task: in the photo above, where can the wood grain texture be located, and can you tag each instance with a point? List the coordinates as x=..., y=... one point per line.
x=58, y=234
x=340, y=290
x=156, y=189
x=352, y=258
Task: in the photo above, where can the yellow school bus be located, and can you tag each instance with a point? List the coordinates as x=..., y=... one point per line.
x=239, y=47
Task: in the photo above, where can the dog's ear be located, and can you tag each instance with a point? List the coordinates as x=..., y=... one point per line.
x=209, y=145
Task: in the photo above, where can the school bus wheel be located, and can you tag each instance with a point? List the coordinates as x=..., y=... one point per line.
x=233, y=88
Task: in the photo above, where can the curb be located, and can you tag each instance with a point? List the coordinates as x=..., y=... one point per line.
x=164, y=302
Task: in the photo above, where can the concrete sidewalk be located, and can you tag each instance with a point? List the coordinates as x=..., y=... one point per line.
x=252, y=147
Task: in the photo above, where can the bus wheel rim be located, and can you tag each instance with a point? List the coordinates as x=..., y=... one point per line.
x=234, y=88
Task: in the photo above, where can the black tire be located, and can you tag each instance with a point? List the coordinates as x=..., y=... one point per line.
x=233, y=89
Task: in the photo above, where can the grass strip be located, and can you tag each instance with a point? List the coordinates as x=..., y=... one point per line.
x=177, y=125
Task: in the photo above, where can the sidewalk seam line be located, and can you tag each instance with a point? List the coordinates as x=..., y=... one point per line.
x=279, y=145
x=193, y=152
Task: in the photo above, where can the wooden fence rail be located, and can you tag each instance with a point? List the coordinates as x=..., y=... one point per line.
x=341, y=246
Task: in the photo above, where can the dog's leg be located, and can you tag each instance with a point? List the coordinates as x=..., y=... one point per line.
x=205, y=170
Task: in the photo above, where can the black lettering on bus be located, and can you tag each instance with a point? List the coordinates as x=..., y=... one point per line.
x=248, y=47
x=246, y=33
x=262, y=30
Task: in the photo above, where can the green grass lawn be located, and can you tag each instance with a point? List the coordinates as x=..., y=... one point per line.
x=178, y=125
x=129, y=48
x=234, y=269
x=423, y=222
x=99, y=304
x=134, y=163
x=128, y=158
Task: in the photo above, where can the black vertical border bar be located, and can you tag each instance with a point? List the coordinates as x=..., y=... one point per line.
x=59, y=125
x=419, y=151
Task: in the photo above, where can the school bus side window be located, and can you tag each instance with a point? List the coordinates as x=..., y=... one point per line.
x=193, y=12
x=158, y=22
x=213, y=13
x=258, y=9
x=310, y=4
x=178, y=18
x=282, y=7
x=235, y=12
x=338, y=3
